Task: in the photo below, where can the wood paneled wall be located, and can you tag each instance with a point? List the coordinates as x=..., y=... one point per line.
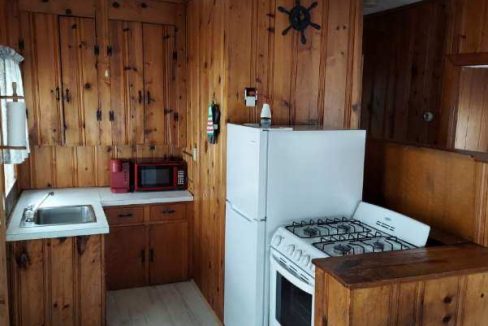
x=120, y=73
x=403, y=60
x=236, y=44
x=446, y=190
x=408, y=68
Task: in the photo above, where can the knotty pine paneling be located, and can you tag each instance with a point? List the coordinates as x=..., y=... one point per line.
x=403, y=64
x=472, y=110
x=446, y=190
x=235, y=44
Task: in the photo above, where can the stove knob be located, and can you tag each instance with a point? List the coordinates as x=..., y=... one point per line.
x=277, y=240
x=297, y=254
x=290, y=249
x=305, y=260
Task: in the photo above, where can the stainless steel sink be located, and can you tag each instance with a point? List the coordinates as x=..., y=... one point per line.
x=60, y=216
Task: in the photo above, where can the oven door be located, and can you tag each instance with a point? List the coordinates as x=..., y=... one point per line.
x=291, y=294
x=154, y=177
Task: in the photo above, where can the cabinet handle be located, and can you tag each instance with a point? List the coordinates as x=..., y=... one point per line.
x=23, y=260
x=125, y=215
x=151, y=255
x=67, y=96
x=149, y=99
x=168, y=211
x=140, y=97
x=143, y=256
x=58, y=96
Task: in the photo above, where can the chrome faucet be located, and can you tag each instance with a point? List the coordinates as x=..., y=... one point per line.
x=31, y=210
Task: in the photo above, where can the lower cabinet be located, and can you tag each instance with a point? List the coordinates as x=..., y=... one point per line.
x=57, y=281
x=125, y=257
x=147, y=245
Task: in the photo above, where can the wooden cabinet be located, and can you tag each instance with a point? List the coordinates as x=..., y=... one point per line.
x=149, y=243
x=61, y=77
x=125, y=257
x=58, y=281
x=143, y=83
x=168, y=252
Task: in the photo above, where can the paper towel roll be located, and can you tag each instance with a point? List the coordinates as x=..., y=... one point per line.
x=16, y=124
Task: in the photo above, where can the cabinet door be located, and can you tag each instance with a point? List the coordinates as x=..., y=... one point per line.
x=125, y=257
x=28, y=290
x=168, y=253
x=160, y=84
x=91, y=285
x=41, y=71
x=126, y=86
x=79, y=80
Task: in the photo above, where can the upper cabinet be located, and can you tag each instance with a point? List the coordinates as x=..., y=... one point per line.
x=125, y=88
x=143, y=65
x=472, y=16
x=42, y=72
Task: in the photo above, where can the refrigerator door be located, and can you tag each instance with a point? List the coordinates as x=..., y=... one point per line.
x=244, y=270
x=246, y=170
x=314, y=174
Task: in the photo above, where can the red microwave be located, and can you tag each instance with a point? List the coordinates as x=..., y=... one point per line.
x=160, y=175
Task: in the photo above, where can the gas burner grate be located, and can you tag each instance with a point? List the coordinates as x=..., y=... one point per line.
x=360, y=243
x=326, y=227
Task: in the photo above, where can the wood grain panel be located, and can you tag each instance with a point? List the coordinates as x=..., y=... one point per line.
x=59, y=7
x=403, y=65
x=126, y=82
x=440, y=188
x=79, y=79
x=155, y=88
x=440, y=302
x=149, y=11
x=91, y=280
x=371, y=306
x=473, y=29
x=64, y=163
x=41, y=51
x=472, y=111
x=60, y=256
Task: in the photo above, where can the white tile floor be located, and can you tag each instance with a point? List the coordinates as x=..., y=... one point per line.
x=178, y=304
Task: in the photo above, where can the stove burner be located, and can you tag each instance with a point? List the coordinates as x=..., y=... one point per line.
x=342, y=249
x=378, y=245
x=344, y=228
x=311, y=231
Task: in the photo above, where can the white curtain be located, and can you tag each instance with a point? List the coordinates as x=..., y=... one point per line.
x=10, y=72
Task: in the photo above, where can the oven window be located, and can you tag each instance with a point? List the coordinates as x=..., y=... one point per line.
x=153, y=176
x=293, y=306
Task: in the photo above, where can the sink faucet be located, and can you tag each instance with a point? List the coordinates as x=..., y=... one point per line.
x=32, y=209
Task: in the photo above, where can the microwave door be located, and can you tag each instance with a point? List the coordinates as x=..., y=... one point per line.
x=154, y=177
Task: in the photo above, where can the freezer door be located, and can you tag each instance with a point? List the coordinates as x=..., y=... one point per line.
x=246, y=170
x=244, y=270
x=313, y=174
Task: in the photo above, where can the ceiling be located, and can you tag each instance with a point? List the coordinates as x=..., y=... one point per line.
x=372, y=6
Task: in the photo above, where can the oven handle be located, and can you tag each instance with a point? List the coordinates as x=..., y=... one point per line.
x=292, y=276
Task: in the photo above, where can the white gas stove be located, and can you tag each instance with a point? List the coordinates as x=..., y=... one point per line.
x=293, y=247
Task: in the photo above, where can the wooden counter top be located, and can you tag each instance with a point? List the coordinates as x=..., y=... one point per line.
x=369, y=270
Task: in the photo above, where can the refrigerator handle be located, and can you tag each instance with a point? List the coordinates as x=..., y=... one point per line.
x=241, y=213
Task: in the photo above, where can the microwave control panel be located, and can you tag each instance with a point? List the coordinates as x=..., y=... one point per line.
x=181, y=177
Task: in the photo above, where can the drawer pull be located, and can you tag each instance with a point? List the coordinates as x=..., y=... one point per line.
x=23, y=260
x=168, y=211
x=125, y=215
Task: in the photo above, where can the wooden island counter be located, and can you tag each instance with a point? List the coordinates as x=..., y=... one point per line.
x=446, y=285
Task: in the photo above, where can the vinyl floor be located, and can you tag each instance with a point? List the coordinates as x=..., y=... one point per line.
x=178, y=304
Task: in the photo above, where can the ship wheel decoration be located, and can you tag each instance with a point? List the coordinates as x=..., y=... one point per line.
x=300, y=19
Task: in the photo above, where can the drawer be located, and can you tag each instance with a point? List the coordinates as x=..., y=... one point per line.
x=168, y=212
x=125, y=215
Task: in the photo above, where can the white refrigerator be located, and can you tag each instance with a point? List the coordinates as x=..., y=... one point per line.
x=275, y=176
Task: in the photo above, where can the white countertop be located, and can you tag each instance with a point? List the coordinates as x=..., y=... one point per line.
x=96, y=197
